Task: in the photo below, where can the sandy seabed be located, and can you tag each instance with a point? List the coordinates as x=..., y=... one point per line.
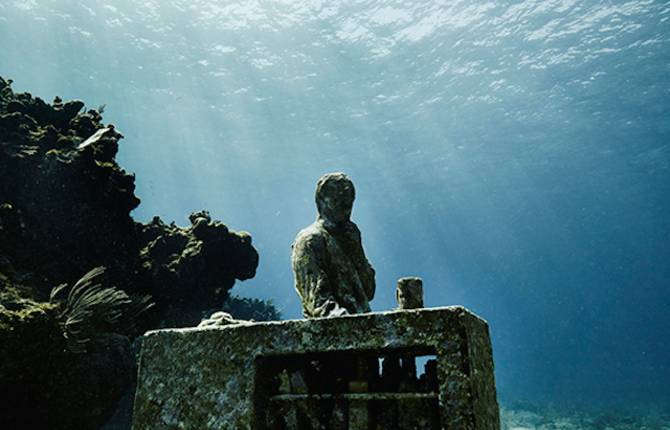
x=610, y=418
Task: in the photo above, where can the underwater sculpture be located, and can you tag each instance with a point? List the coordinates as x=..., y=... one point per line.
x=358, y=372
x=332, y=275
x=355, y=373
x=221, y=318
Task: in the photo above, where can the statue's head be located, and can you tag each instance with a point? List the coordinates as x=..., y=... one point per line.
x=335, y=196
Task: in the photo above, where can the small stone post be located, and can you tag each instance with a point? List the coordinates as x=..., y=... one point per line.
x=409, y=293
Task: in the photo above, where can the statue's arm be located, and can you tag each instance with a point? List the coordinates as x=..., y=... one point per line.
x=311, y=281
x=365, y=270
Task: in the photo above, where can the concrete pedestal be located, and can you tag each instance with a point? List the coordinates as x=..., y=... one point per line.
x=355, y=371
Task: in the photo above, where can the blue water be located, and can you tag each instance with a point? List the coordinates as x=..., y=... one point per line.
x=513, y=154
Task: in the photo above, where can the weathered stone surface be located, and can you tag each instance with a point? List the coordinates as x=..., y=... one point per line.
x=332, y=275
x=273, y=374
x=409, y=293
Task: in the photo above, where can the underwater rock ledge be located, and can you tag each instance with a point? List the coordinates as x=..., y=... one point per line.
x=65, y=209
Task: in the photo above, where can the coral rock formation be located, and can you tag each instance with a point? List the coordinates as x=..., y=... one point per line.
x=65, y=209
x=195, y=266
x=57, y=372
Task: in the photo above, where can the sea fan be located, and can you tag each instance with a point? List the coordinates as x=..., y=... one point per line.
x=91, y=310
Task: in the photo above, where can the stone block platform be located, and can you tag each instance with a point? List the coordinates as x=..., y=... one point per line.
x=411, y=369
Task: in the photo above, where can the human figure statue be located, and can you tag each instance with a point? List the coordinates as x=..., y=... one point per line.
x=332, y=275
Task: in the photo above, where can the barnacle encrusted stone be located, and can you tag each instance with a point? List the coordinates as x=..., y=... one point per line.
x=322, y=373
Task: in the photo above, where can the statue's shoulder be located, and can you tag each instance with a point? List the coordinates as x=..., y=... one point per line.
x=314, y=233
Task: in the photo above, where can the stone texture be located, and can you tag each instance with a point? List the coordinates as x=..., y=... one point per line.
x=332, y=275
x=266, y=375
x=409, y=293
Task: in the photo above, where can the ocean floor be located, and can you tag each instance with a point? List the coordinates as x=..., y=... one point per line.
x=610, y=418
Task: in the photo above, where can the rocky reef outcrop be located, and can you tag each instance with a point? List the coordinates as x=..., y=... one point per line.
x=64, y=202
x=64, y=364
x=207, y=254
x=64, y=210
